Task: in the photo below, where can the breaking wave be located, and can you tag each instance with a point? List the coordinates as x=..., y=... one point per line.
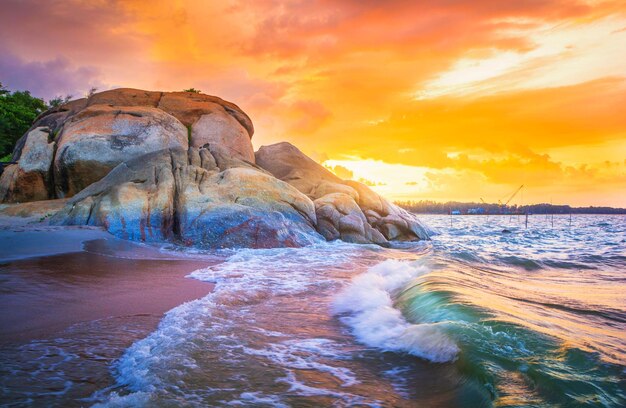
x=367, y=307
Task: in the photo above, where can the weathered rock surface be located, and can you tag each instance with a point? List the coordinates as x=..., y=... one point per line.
x=53, y=119
x=288, y=163
x=205, y=119
x=100, y=137
x=348, y=210
x=180, y=167
x=29, y=180
x=181, y=195
x=188, y=107
x=221, y=133
x=339, y=216
x=34, y=212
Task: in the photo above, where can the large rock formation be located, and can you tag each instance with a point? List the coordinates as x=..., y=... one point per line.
x=93, y=135
x=183, y=196
x=345, y=209
x=157, y=166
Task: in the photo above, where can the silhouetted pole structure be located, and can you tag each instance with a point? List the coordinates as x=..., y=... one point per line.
x=526, y=219
x=570, y=220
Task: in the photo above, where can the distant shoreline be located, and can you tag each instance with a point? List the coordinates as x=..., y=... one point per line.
x=460, y=208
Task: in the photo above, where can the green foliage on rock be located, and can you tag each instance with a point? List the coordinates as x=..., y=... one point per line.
x=18, y=110
x=189, y=134
x=194, y=90
x=59, y=100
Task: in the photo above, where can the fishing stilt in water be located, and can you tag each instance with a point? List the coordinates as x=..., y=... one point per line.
x=570, y=220
x=527, y=220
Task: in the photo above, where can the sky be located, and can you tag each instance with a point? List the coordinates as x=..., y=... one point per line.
x=440, y=100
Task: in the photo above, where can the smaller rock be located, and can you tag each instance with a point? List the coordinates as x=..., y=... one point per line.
x=339, y=216
x=52, y=119
x=328, y=187
x=35, y=212
x=29, y=180
x=288, y=163
x=134, y=201
x=188, y=107
x=365, y=217
x=100, y=137
x=368, y=199
x=221, y=133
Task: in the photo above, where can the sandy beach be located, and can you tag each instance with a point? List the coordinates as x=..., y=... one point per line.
x=75, y=299
x=84, y=275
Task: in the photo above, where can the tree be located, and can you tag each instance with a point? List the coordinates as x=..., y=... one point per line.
x=18, y=110
x=194, y=90
x=59, y=100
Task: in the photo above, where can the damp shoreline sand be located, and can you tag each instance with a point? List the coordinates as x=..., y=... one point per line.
x=56, y=277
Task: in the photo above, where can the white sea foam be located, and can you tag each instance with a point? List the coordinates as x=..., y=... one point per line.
x=247, y=399
x=298, y=387
x=306, y=355
x=366, y=305
x=227, y=329
x=157, y=367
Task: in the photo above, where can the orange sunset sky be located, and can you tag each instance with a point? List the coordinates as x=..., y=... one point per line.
x=441, y=100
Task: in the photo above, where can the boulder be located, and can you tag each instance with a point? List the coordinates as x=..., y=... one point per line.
x=339, y=216
x=221, y=133
x=329, y=187
x=241, y=207
x=126, y=97
x=94, y=134
x=100, y=137
x=29, y=180
x=53, y=119
x=368, y=199
x=34, y=212
x=181, y=195
x=401, y=225
x=134, y=201
x=211, y=121
x=288, y=163
x=188, y=107
x=345, y=209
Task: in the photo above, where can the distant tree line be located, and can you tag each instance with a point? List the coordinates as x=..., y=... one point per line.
x=432, y=207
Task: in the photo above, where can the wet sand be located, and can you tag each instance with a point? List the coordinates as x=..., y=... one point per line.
x=82, y=275
x=72, y=300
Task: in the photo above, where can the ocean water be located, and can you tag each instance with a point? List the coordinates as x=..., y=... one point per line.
x=476, y=317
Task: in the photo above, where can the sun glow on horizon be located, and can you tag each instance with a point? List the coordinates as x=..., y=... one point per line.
x=412, y=183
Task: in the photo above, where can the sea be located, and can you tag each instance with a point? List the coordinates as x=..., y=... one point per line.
x=491, y=312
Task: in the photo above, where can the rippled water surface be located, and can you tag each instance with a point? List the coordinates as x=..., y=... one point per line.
x=478, y=316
